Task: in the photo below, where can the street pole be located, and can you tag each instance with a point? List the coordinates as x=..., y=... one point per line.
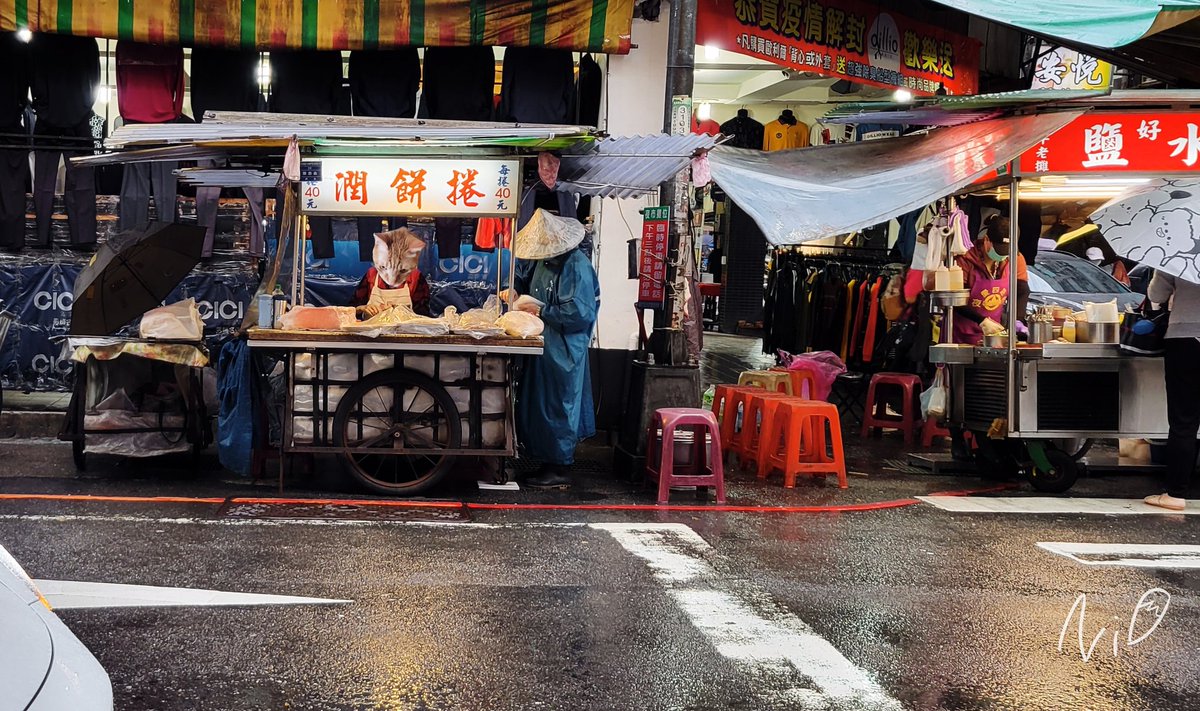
x=681, y=60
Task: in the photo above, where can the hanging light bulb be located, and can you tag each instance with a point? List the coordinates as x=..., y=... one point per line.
x=902, y=95
x=711, y=53
x=704, y=113
x=25, y=35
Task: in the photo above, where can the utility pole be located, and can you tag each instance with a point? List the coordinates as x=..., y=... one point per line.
x=681, y=61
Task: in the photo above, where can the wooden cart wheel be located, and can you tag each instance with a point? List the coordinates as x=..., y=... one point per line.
x=410, y=419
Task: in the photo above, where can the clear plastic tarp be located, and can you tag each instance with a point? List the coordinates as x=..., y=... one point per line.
x=811, y=193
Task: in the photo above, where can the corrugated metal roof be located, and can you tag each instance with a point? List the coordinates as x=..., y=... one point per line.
x=628, y=166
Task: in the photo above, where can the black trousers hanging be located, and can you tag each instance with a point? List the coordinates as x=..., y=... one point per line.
x=137, y=184
x=79, y=192
x=14, y=175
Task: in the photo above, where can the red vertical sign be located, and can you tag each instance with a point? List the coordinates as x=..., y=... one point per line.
x=652, y=262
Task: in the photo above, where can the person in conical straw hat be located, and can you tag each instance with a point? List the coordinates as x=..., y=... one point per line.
x=555, y=281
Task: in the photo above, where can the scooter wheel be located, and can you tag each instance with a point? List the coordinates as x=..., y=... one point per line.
x=1064, y=470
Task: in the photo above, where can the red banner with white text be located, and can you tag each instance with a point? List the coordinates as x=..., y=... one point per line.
x=846, y=39
x=1103, y=142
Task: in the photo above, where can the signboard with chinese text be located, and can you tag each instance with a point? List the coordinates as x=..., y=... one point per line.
x=847, y=39
x=411, y=186
x=652, y=261
x=1062, y=68
x=1105, y=142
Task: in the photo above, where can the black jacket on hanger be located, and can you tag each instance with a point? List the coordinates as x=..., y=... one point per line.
x=306, y=81
x=64, y=74
x=746, y=132
x=538, y=86
x=589, y=87
x=14, y=83
x=224, y=80
x=459, y=83
x=384, y=82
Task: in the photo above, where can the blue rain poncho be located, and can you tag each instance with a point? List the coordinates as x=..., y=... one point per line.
x=554, y=397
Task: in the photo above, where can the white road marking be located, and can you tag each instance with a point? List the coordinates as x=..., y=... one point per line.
x=760, y=637
x=74, y=595
x=1049, y=505
x=1129, y=555
x=271, y=522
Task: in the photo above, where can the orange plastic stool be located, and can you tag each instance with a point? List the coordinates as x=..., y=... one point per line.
x=734, y=398
x=931, y=429
x=768, y=379
x=875, y=413
x=797, y=442
x=704, y=471
x=804, y=382
x=761, y=404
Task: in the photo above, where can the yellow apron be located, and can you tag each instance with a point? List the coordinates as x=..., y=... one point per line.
x=388, y=298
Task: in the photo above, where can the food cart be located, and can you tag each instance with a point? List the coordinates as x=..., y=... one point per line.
x=400, y=408
x=1054, y=398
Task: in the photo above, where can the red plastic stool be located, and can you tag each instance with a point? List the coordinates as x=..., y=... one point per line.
x=875, y=414
x=797, y=442
x=931, y=429
x=804, y=382
x=760, y=412
x=660, y=456
x=735, y=403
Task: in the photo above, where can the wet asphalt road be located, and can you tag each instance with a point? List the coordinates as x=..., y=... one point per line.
x=540, y=609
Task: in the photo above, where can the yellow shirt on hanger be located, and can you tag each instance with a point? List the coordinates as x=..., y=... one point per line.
x=779, y=136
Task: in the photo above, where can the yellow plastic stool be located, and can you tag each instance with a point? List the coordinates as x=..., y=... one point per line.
x=772, y=380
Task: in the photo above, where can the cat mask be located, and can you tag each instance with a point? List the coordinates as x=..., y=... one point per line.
x=396, y=254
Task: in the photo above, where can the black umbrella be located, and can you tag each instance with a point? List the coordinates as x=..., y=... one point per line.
x=132, y=273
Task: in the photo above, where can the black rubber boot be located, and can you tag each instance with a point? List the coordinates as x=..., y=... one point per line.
x=551, y=477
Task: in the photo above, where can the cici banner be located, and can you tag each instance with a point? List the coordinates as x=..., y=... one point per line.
x=1104, y=142
x=846, y=39
x=652, y=261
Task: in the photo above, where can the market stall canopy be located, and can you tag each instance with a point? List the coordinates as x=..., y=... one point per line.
x=131, y=274
x=807, y=194
x=1156, y=224
x=1099, y=23
x=627, y=166
x=953, y=110
x=580, y=25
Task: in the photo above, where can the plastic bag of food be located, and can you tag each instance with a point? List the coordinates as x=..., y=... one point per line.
x=410, y=322
x=520, y=324
x=179, y=321
x=480, y=322
x=318, y=318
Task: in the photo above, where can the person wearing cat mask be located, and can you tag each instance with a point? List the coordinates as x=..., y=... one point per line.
x=393, y=279
x=555, y=281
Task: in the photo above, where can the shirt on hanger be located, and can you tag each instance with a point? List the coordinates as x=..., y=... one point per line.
x=537, y=86
x=64, y=73
x=779, y=136
x=224, y=80
x=706, y=126
x=459, y=83
x=384, y=82
x=149, y=82
x=745, y=132
x=305, y=81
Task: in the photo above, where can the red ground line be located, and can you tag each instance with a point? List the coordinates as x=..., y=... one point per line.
x=118, y=499
x=479, y=506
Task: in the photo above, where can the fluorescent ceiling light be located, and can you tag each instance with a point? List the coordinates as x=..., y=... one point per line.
x=704, y=113
x=711, y=53
x=902, y=95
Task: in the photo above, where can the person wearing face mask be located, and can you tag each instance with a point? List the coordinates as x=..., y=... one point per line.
x=985, y=274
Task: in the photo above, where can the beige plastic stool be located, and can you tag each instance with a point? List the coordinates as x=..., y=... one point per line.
x=771, y=380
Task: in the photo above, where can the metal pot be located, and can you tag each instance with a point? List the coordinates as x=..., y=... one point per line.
x=996, y=341
x=1041, y=332
x=1086, y=332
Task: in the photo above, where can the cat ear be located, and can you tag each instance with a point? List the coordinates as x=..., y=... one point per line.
x=379, y=240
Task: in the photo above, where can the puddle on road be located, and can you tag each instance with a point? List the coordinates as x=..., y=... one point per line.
x=348, y=512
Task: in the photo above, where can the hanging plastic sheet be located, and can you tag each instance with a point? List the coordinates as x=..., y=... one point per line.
x=807, y=194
